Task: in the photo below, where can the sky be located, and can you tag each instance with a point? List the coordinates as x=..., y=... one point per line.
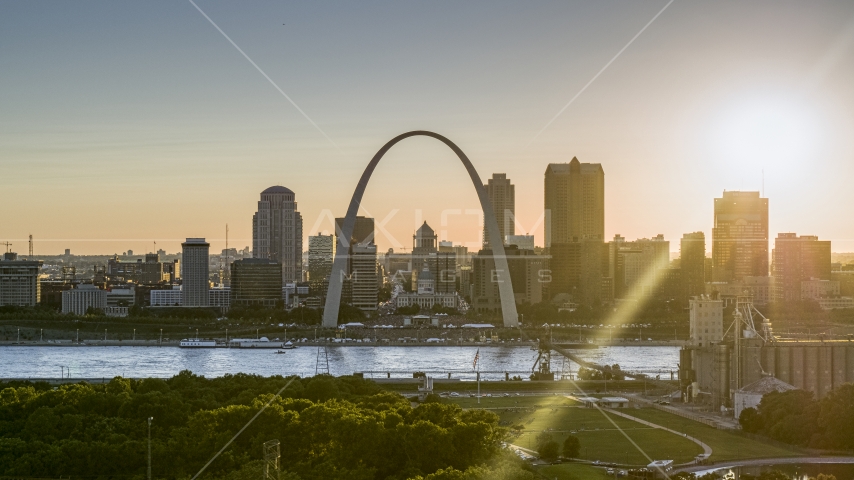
x=128, y=123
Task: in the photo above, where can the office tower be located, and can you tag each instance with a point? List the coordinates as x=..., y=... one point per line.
x=19, y=281
x=528, y=274
x=574, y=202
x=797, y=260
x=277, y=231
x=638, y=268
x=524, y=242
x=502, y=196
x=256, y=281
x=195, y=272
x=740, y=237
x=363, y=235
x=692, y=254
x=321, y=253
x=363, y=230
x=364, y=282
x=152, y=270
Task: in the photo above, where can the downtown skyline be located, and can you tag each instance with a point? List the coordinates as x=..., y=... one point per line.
x=159, y=119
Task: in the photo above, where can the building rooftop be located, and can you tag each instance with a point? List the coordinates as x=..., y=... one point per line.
x=277, y=189
x=765, y=385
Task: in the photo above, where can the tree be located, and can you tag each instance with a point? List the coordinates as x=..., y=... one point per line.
x=750, y=420
x=547, y=447
x=571, y=447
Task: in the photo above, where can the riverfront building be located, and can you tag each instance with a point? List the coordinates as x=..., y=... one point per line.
x=195, y=272
x=256, y=281
x=321, y=254
x=19, y=281
x=79, y=300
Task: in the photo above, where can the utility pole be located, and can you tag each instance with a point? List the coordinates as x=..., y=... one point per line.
x=149, y=447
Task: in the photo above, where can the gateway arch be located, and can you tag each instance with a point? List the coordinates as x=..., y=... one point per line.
x=339, y=266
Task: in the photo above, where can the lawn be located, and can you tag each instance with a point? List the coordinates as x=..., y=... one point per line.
x=600, y=438
x=725, y=445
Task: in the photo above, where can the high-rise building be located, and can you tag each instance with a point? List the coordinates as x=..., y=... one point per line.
x=797, y=260
x=277, y=232
x=524, y=242
x=256, y=281
x=19, y=281
x=692, y=255
x=364, y=282
x=740, y=237
x=574, y=202
x=195, y=272
x=502, y=196
x=638, y=267
x=321, y=254
x=363, y=230
x=529, y=274
x=576, y=270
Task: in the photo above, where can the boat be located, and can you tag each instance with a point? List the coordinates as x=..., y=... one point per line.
x=198, y=343
x=288, y=346
x=262, y=342
x=280, y=351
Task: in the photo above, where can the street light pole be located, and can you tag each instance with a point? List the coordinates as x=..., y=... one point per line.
x=149, y=447
x=161, y=338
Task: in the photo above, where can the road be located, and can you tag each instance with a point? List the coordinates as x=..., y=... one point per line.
x=765, y=461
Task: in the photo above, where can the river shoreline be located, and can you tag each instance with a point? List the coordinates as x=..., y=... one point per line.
x=176, y=343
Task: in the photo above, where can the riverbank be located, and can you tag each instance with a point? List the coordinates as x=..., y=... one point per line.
x=343, y=343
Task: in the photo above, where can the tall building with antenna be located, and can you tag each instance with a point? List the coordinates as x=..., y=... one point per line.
x=277, y=231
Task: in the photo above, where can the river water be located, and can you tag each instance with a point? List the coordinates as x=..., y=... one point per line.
x=399, y=362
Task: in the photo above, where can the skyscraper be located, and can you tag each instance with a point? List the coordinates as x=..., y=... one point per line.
x=256, y=281
x=502, y=196
x=195, y=272
x=277, y=231
x=19, y=281
x=575, y=228
x=574, y=202
x=692, y=264
x=321, y=254
x=740, y=237
x=797, y=260
x=361, y=287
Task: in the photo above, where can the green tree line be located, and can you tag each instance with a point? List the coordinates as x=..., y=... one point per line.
x=329, y=428
x=797, y=418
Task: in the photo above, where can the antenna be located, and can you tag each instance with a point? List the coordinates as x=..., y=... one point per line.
x=8, y=246
x=31, y=245
x=763, y=182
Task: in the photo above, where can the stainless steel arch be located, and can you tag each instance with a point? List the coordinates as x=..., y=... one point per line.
x=505, y=288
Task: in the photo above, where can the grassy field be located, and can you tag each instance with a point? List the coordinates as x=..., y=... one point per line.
x=725, y=445
x=600, y=439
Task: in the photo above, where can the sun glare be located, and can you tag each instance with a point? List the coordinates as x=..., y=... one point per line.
x=768, y=133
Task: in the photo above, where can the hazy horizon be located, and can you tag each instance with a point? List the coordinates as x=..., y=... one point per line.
x=122, y=124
